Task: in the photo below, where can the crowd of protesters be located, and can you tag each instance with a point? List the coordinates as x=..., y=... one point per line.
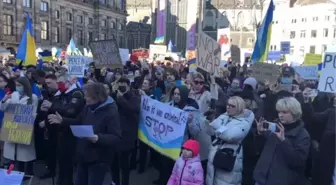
x=240, y=131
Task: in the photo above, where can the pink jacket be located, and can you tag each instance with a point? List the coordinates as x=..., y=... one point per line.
x=187, y=172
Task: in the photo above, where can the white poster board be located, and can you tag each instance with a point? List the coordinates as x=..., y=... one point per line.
x=208, y=54
x=155, y=51
x=77, y=65
x=124, y=55
x=307, y=72
x=327, y=81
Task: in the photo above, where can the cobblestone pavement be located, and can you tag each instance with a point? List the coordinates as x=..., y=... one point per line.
x=135, y=179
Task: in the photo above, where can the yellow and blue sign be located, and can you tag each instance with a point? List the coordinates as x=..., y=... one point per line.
x=162, y=127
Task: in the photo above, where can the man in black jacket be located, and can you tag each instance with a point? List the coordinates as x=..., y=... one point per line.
x=129, y=108
x=68, y=102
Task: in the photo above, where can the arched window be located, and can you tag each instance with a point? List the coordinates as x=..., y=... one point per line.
x=209, y=20
x=130, y=42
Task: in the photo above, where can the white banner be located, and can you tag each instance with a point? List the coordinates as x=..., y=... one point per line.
x=124, y=55
x=77, y=65
x=327, y=81
x=155, y=51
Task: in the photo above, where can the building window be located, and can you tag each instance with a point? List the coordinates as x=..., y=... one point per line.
x=69, y=16
x=250, y=40
x=113, y=25
x=102, y=2
x=90, y=20
x=304, y=19
x=292, y=50
x=44, y=30
x=293, y=20
x=325, y=32
x=27, y=3
x=80, y=37
x=120, y=45
x=292, y=35
x=90, y=36
x=315, y=19
x=312, y=49
x=313, y=34
x=57, y=14
x=324, y=48
x=103, y=36
x=119, y=26
x=327, y=18
x=44, y=6
x=303, y=34
x=103, y=23
x=8, y=24
x=334, y=33
x=56, y=34
x=69, y=33
x=80, y=19
x=7, y=1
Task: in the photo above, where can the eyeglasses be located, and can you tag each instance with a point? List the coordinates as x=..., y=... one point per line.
x=198, y=82
x=230, y=105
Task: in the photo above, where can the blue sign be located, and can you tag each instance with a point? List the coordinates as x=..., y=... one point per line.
x=274, y=55
x=285, y=47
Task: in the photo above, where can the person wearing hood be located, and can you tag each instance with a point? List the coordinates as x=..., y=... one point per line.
x=230, y=129
x=235, y=88
x=94, y=154
x=188, y=169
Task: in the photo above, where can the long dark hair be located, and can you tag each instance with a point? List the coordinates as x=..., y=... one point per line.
x=26, y=88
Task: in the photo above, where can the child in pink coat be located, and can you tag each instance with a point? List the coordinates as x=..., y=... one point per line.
x=188, y=168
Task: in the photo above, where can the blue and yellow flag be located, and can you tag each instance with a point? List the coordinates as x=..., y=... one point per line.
x=27, y=47
x=261, y=46
x=46, y=56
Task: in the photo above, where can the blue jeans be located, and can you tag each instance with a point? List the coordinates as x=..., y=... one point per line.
x=91, y=174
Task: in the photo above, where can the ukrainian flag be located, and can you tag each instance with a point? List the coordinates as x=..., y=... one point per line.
x=27, y=47
x=261, y=46
x=46, y=56
x=159, y=40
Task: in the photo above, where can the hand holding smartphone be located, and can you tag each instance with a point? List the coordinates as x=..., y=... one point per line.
x=271, y=126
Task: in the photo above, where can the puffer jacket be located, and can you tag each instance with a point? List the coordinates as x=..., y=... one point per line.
x=231, y=130
x=188, y=171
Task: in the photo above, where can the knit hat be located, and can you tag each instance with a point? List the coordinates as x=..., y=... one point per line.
x=252, y=82
x=193, y=146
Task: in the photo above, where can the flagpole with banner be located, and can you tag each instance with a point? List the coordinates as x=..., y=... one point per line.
x=264, y=32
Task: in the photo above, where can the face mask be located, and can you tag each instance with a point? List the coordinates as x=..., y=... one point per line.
x=122, y=89
x=235, y=86
x=61, y=86
x=19, y=89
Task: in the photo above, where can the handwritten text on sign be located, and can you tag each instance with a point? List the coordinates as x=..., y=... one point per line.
x=76, y=65
x=327, y=81
x=162, y=125
x=208, y=54
x=106, y=53
x=307, y=72
x=18, y=124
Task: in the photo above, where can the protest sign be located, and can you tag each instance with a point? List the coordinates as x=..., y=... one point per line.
x=312, y=59
x=285, y=47
x=264, y=71
x=208, y=54
x=327, y=81
x=106, y=53
x=12, y=178
x=124, y=55
x=76, y=65
x=155, y=51
x=307, y=72
x=18, y=124
x=162, y=127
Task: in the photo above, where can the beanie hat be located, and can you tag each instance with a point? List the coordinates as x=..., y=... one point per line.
x=193, y=146
x=252, y=82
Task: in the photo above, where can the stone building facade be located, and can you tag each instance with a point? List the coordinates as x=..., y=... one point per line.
x=55, y=22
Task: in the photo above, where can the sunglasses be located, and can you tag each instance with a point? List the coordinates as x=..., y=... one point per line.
x=198, y=82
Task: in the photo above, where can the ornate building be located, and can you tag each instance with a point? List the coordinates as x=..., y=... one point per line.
x=138, y=29
x=55, y=22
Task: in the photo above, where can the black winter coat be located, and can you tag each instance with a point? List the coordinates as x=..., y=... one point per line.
x=106, y=124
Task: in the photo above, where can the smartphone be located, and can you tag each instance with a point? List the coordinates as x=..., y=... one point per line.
x=270, y=126
x=313, y=93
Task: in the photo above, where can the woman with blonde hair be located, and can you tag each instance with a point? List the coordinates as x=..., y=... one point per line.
x=286, y=149
x=225, y=161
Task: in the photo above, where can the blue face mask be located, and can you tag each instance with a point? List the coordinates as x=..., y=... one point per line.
x=19, y=89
